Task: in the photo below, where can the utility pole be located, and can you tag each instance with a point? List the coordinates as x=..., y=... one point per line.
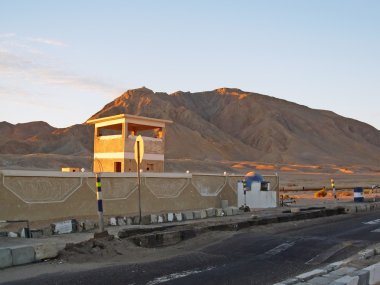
x=139, y=178
x=139, y=153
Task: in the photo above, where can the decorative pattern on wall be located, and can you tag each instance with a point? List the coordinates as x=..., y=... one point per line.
x=209, y=185
x=41, y=189
x=160, y=187
x=115, y=188
x=274, y=182
x=233, y=181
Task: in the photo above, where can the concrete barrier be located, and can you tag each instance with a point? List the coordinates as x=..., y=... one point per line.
x=196, y=215
x=149, y=219
x=374, y=273
x=228, y=211
x=5, y=257
x=23, y=255
x=47, y=251
x=363, y=276
x=189, y=215
x=210, y=212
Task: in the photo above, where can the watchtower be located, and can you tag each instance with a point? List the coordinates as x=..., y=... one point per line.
x=114, y=140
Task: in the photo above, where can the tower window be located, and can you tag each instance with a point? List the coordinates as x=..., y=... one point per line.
x=117, y=166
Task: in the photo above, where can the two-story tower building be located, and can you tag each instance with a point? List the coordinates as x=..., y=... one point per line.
x=114, y=140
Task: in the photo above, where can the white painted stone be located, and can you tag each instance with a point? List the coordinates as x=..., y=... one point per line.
x=203, y=214
x=12, y=235
x=113, y=221
x=170, y=217
x=178, y=217
x=160, y=219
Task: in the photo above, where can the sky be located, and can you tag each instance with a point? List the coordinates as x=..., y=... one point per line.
x=62, y=61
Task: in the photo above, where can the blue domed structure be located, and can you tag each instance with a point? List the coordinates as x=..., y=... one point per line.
x=252, y=177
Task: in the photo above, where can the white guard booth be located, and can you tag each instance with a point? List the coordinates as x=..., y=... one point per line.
x=257, y=198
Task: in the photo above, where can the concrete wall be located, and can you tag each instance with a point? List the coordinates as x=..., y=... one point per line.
x=44, y=195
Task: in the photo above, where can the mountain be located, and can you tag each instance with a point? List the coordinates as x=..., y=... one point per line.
x=37, y=145
x=223, y=126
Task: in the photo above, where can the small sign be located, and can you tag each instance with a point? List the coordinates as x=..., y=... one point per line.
x=64, y=227
x=140, y=144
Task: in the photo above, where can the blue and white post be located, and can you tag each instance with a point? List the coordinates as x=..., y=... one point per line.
x=100, y=201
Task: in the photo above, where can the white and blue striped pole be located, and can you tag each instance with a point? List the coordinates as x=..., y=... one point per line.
x=100, y=201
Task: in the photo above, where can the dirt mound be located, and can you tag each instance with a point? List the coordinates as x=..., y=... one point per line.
x=94, y=250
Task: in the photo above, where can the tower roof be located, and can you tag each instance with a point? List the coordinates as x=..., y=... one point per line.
x=130, y=118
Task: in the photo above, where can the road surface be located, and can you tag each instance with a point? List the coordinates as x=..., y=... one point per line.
x=259, y=255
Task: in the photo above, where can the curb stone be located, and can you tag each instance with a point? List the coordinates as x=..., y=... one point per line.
x=5, y=257
x=23, y=255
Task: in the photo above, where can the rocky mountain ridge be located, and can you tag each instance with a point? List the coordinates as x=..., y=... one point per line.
x=223, y=125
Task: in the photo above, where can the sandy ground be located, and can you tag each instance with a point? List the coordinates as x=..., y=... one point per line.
x=320, y=180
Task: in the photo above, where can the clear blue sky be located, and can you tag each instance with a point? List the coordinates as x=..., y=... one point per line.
x=62, y=61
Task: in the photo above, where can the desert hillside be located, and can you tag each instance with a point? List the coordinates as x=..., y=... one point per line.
x=219, y=129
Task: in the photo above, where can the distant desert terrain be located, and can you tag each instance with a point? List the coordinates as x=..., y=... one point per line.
x=223, y=130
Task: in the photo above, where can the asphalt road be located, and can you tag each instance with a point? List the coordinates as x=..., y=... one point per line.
x=263, y=255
